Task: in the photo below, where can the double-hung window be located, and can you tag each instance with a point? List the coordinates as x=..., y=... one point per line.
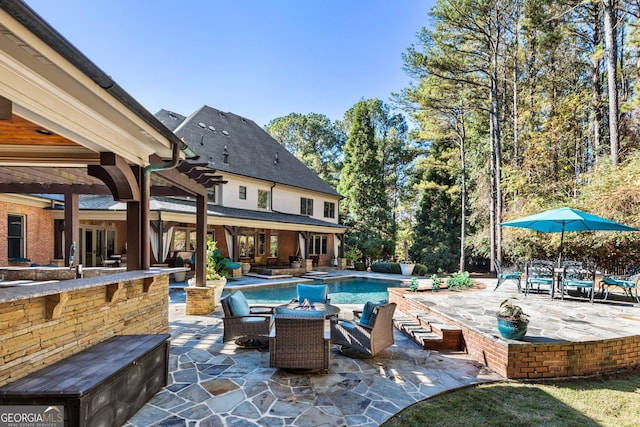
x=15, y=236
x=329, y=210
x=306, y=206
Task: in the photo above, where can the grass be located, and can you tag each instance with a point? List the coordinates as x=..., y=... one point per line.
x=613, y=401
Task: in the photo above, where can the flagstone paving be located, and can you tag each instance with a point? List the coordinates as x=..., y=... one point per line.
x=217, y=384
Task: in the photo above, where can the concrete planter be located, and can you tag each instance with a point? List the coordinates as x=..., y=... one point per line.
x=407, y=269
x=246, y=267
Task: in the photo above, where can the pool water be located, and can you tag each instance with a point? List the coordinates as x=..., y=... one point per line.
x=346, y=291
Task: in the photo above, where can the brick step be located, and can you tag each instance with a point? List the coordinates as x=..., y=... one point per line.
x=428, y=331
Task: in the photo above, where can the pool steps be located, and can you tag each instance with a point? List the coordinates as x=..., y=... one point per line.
x=428, y=331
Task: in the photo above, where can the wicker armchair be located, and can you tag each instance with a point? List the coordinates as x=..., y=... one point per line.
x=247, y=325
x=366, y=340
x=300, y=342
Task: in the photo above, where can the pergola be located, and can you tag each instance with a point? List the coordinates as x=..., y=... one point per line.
x=67, y=128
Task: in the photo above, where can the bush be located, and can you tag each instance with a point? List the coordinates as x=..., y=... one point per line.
x=459, y=281
x=381, y=267
x=420, y=270
x=358, y=265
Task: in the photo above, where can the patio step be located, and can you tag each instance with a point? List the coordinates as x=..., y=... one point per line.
x=428, y=331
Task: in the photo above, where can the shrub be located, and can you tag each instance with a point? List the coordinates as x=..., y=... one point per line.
x=459, y=281
x=395, y=268
x=381, y=267
x=358, y=265
x=420, y=270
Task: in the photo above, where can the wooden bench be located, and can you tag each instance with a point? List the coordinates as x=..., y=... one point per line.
x=103, y=385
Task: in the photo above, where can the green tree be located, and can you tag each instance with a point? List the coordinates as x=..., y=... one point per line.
x=365, y=206
x=313, y=139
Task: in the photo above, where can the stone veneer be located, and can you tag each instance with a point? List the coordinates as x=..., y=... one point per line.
x=535, y=360
x=42, y=324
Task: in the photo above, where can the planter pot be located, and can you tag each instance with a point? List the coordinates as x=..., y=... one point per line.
x=407, y=269
x=180, y=276
x=512, y=329
x=217, y=285
x=295, y=264
x=246, y=267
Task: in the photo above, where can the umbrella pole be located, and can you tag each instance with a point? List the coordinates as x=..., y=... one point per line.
x=560, y=251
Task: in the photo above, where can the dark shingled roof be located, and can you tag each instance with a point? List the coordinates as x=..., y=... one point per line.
x=252, y=152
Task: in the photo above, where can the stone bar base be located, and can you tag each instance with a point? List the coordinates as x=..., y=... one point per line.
x=200, y=300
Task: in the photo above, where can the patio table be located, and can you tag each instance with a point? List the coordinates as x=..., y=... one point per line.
x=330, y=310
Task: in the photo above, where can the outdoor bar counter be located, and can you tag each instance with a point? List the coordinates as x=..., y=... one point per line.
x=41, y=324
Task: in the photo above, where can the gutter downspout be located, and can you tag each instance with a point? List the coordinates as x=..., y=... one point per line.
x=145, y=251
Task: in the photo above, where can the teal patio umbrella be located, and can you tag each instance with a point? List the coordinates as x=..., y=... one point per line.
x=566, y=219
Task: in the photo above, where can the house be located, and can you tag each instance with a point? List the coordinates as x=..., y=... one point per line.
x=268, y=206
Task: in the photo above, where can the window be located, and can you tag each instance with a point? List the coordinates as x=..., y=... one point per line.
x=15, y=236
x=329, y=210
x=242, y=193
x=211, y=195
x=184, y=239
x=318, y=245
x=306, y=206
x=263, y=199
x=247, y=245
x=273, y=245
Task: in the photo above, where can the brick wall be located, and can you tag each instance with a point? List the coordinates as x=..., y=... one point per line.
x=537, y=360
x=39, y=232
x=38, y=331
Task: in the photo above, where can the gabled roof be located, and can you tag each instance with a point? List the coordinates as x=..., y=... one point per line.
x=251, y=151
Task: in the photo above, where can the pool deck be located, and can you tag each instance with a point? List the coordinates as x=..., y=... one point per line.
x=218, y=384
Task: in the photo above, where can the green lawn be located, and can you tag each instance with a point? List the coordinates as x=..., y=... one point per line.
x=611, y=401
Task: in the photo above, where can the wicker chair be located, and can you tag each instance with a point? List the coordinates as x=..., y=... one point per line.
x=366, y=340
x=249, y=326
x=300, y=342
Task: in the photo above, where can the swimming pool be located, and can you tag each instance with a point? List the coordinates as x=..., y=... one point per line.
x=343, y=291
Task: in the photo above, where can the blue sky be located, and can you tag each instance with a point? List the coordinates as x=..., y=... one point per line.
x=260, y=59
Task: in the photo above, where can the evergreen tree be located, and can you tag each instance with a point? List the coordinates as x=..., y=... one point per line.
x=365, y=206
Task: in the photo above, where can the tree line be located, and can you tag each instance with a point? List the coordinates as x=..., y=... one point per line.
x=519, y=106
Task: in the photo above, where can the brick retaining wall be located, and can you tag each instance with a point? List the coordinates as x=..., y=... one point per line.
x=537, y=360
x=47, y=327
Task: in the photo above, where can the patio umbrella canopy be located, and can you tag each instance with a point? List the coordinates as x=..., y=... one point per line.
x=566, y=219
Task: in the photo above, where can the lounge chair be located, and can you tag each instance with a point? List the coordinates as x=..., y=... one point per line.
x=300, y=342
x=628, y=283
x=250, y=326
x=362, y=338
x=503, y=276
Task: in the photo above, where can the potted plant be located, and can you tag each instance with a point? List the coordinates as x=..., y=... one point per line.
x=179, y=276
x=512, y=321
x=407, y=268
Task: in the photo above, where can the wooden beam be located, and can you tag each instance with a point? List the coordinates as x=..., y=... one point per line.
x=6, y=109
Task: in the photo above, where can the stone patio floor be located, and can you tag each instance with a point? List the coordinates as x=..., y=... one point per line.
x=218, y=384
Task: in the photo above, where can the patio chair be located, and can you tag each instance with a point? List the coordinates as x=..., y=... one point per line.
x=249, y=326
x=503, y=276
x=581, y=278
x=539, y=272
x=358, y=339
x=300, y=342
x=312, y=293
x=627, y=282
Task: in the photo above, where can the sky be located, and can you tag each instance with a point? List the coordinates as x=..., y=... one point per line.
x=260, y=59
